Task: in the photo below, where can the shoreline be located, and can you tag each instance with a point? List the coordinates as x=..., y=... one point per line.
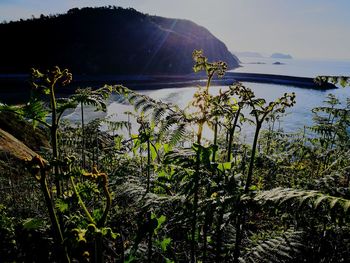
x=15, y=88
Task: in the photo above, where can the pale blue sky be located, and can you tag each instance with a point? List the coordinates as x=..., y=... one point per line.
x=303, y=28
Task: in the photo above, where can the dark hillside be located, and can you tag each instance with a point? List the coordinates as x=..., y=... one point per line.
x=107, y=41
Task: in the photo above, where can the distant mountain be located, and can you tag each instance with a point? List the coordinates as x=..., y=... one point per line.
x=248, y=54
x=107, y=40
x=281, y=56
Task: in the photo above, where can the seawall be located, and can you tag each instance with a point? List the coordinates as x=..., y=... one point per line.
x=15, y=88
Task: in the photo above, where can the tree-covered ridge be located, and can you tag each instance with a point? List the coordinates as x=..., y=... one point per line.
x=107, y=40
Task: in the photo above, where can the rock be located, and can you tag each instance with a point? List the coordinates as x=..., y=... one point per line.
x=10, y=147
x=19, y=142
x=34, y=138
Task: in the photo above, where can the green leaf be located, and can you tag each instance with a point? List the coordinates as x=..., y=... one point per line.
x=105, y=231
x=97, y=214
x=130, y=259
x=118, y=142
x=343, y=81
x=153, y=152
x=224, y=166
x=253, y=188
x=346, y=206
x=33, y=223
x=333, y=202
x=46, y=91
x=164, y=244
x=166, y=148
x=160, y=221
x=162, y=173
x=61, y=205
x=319, y=200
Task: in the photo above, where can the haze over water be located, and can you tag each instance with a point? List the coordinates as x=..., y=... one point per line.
x=295, y=67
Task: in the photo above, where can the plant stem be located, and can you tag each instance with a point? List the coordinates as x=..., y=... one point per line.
x=231, y=136
x=148, y=165
x=56, y=228
x=98, y=248
x=150, y=233
x=195, y=197
x=215, y=137
x=195, y=208
x=252, y=157
x=97, y=150
x=80, y=201
x=219, y=234
x=268, y=143
x=54, y=128
x=208, y=217
x=82, y=135
x=239, y=232
x=108, y=207
x=241, y=215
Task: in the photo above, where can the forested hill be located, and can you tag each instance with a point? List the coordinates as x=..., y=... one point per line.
x=107, y=40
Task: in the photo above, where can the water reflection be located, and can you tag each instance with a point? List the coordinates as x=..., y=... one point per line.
x=296, y=118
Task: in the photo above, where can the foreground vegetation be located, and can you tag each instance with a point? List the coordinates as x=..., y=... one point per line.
x=167, y=194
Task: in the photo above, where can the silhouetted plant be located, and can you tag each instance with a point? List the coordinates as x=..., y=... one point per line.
x=96, y=98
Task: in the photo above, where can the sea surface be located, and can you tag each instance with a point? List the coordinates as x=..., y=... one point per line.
x=296, y=118
x=295, y=67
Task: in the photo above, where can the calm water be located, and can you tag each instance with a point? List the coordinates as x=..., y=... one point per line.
x=295, y=67
x=297, y=117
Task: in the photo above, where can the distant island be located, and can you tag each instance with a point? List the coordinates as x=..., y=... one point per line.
x=281, y=56
x=107, y=40
x=278, y=63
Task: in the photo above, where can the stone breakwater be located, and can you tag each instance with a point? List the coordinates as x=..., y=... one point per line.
x=15, y=88
x=301, y=82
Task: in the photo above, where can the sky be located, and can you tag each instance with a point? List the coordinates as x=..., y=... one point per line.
x=303, y=28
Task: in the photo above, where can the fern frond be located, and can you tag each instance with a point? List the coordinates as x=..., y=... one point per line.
x=178, y=134
x=65, y=104
x=145, y=103
x=184, y=158
x=154, y=200
x=158, y=113
x=309, y=198
x=132, y=190
x=172, y=119
x=141, y=102
x=148, y=106
x=35, y=110
x=96, y=98
x=61, y=205
x=281, y=248
x=8, y=108
x=116, y=125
